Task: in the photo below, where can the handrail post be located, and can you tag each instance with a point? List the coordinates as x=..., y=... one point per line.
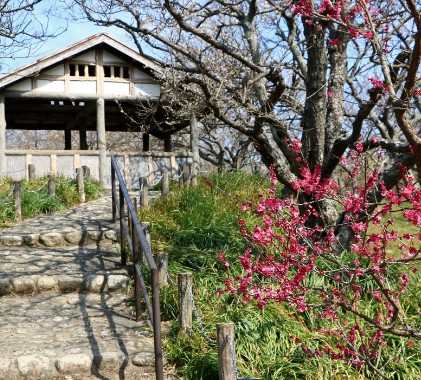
x=159, y=367
x=113, y=194
x=137, y=287
x=122, y=237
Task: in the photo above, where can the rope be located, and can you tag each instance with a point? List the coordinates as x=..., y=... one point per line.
x=40, y=188
x=202, y=327
x=177, y=178
x=195, y=311
x=16, y=171
x=157, y=181
x=199, y=320
x=7, y=196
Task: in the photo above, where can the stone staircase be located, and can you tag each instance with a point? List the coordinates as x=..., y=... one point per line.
x=64, y=311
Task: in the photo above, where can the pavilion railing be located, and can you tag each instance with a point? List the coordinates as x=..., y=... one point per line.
x=133, y=239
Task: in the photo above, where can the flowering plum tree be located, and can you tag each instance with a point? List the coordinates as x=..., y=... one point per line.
x=307, y=268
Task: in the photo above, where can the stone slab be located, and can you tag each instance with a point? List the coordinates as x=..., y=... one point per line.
x=53, y=336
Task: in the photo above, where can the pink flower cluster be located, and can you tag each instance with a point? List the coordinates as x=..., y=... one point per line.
x=344, y=12
x=293, y=249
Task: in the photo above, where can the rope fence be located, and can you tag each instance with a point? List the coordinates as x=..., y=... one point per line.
x=17, y=191
x=228, y=369
x=184, y=178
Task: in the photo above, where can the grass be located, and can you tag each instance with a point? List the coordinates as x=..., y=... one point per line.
x=193, y=225
x=35, y=198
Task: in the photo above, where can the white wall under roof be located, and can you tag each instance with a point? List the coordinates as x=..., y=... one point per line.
x=50, y=85
x=55, y=80
x=83, y=87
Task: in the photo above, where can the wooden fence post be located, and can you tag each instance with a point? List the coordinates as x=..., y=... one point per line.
x=226, y=351
x=186, y=175
x=51, y=185
x=144, y=189
x=185, y=301
x=17, y=194
x=80, y=185
x=146, y=228
x=86, y=172
x=137, y=285
x=161, y=259
x=165, y=183
x=31, y=171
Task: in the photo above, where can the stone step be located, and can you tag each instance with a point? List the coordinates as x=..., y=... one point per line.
x=58, y=237
x=90, y=268
x=73, y=336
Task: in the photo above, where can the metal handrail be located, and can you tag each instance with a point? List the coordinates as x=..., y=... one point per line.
x=133, y=237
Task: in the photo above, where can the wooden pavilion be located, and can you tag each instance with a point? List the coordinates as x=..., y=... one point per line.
x=91, y=85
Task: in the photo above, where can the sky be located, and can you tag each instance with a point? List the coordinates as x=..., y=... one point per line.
x=75, y=31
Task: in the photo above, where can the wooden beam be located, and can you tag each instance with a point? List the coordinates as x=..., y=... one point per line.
x=75, y=96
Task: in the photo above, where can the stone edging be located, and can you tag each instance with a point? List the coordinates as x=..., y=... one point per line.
x=66, y=237
x=33, y=284
x=40, y=367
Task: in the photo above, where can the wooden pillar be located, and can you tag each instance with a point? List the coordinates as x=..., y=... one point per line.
x=2, y=135
x=146, y=142
x=194, y=147
x=167, y=142
x=83, y=144
x=67, y=139
x=102, y=146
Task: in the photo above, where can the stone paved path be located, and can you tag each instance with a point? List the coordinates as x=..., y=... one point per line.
x=64, y=311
